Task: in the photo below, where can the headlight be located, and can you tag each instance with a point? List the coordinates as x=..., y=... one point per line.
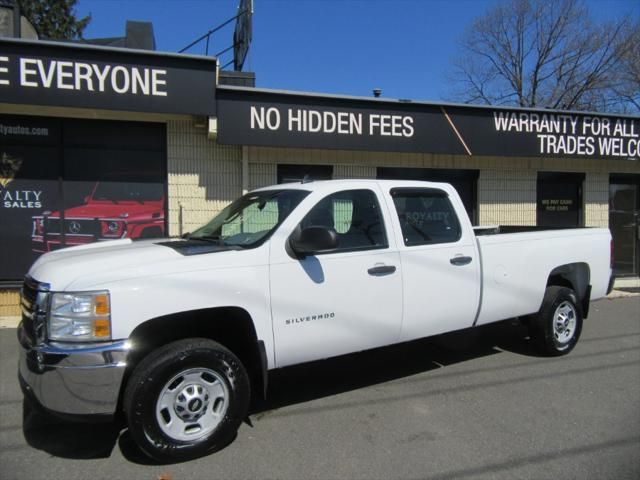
x=111, y=228
x=80, y=317
x=38, y=225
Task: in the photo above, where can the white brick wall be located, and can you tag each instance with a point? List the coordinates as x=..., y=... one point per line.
x=354, y=171
x=262, y=175
x=596, y=200
x=9, y=303
x=203, y=176
x=507, y=197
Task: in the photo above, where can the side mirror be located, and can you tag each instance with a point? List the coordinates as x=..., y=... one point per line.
x=312, y=240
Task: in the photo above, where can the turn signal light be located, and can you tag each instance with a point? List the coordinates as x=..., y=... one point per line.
x=101, y=328
x=102, y=305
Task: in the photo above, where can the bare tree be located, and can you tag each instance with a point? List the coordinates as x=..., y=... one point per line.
x=627, y=85
x=546, y=53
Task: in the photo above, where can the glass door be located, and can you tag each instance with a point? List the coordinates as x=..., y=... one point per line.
x=624, y=223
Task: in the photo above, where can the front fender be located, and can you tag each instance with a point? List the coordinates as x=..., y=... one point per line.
x=138, y=300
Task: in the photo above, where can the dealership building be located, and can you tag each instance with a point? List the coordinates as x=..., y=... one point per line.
x=98, y=143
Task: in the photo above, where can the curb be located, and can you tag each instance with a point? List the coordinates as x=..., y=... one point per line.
x=9, y=322
x=621, y=294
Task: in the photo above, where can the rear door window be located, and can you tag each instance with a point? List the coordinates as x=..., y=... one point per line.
x=426, y=216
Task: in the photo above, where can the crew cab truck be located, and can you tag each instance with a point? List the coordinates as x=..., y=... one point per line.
x=176, y=332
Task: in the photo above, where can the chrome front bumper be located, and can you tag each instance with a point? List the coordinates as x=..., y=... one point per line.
x=70, y=379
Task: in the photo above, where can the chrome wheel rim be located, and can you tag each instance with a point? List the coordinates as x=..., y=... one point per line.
x=564, y=324
x=192, y=404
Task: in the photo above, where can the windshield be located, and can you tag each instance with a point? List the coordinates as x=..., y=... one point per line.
x=128, y=191
x=251, y=219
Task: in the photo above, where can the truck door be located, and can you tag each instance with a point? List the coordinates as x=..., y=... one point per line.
x=440, y=264
x=348, y=300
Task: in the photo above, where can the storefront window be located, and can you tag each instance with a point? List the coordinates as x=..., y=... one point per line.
x=559, y=199
x=69, y=182
x=29, y=185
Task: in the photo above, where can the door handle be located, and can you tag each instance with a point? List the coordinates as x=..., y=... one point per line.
x=382, y=270
x=460, y=260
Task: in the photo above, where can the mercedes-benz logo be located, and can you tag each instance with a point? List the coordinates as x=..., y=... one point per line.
x=74, y=227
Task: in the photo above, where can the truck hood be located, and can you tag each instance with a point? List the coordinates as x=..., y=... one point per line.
x=110, y=210
x=98, y=264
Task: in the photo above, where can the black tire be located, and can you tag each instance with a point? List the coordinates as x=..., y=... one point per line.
x=206, y=380
x=557, y=328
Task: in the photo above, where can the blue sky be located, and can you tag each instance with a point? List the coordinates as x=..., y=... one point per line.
x=348, y=47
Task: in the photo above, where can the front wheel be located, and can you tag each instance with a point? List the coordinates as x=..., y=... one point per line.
x=186, y=399
x=557, y=328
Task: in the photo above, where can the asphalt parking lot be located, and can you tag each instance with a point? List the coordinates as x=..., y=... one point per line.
x=425, y=410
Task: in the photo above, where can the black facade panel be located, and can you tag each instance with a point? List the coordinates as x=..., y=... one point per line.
x=298, y=120
x=45, y=73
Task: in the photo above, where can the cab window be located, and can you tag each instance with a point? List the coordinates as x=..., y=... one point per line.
x=354, y=215
x=426, y=216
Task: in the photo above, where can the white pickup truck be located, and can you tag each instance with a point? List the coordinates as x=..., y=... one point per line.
x=175, y=333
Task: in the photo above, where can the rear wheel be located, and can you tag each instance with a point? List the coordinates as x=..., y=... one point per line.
x=557, y=328
x=186, y=399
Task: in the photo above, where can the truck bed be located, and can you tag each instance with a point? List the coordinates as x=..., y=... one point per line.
x=518, y=261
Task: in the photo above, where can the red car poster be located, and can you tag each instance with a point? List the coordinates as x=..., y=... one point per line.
x=67, y=182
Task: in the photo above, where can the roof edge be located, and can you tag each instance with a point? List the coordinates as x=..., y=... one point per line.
x=403, y=101
x=100, y=48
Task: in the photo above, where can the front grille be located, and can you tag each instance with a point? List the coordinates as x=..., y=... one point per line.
x=52, y=226
x=73, y=226
x=34, y=300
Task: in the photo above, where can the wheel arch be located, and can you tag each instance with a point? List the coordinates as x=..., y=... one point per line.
x=576, y=276
x=230, y=326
